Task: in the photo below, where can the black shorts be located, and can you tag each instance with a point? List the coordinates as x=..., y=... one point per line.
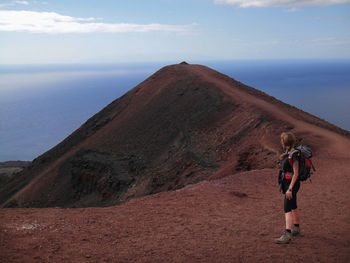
x=290, y=205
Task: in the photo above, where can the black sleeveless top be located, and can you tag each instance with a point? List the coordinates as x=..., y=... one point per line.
x=286, y=166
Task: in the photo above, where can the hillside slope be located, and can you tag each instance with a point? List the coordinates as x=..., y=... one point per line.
x=184, y=124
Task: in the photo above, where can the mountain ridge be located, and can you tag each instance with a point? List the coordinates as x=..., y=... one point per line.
x=124, y=150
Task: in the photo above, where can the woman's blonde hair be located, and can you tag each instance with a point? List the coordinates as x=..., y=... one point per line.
x=288, y=139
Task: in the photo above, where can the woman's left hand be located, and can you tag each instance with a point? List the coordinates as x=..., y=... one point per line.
x=289, y=195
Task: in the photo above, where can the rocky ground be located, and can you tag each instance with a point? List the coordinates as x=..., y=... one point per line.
x=11, y=168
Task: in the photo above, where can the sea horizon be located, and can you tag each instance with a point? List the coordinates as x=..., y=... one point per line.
x=42, y=104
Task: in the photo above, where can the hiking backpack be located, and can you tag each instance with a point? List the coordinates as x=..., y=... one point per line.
x=305, y=163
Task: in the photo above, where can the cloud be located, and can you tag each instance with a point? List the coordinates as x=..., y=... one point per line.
x=330, y=41
x=281, y=3
x=339, y=18
x=14, y=3
x=40, y=2
x=21, y=2
x=54, y=23
x=292, y=9
x=324, y=39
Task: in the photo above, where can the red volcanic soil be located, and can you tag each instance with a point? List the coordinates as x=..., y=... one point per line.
x=232, y=216
x=211, y=221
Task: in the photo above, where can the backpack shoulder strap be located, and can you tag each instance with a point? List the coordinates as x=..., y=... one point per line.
x=290, y=156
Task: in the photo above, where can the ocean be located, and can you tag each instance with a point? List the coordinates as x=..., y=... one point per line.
x=40, y=105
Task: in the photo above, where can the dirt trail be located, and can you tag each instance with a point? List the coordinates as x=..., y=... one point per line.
x=281, y=114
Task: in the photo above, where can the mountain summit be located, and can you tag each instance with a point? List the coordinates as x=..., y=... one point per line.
x=184, y=124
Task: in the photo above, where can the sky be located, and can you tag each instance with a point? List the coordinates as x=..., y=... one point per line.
x=115, y=31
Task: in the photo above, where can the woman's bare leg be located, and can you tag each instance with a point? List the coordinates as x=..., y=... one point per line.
x=289, y=220
x=296, y=216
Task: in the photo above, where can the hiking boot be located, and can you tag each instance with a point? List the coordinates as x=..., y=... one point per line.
x=285, y=238
x=295, y=231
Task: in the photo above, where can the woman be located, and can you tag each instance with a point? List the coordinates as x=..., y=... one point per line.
x=290, y=186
